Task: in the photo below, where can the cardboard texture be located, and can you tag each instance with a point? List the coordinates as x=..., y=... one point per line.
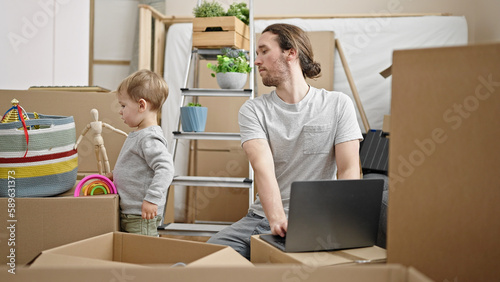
x=444, y=182
x=209, y=200
x=373, y=273
x=78, y=105
x=44, y=223
x=386, y=126
x=132, y=250
x=263, y=252
x=185, y=237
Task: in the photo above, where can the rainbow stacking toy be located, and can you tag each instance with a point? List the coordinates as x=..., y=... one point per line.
x=94, y=184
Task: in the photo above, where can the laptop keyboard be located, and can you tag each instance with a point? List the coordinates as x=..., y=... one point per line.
x=280, y=240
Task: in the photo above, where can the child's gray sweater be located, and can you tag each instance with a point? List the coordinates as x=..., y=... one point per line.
x=143, y=171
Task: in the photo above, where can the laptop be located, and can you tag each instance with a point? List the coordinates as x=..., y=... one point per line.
x=327, y=215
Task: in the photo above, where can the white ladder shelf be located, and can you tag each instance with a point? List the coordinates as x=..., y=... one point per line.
x=210, y=228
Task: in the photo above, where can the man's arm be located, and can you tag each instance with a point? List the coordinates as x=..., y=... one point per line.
x=260, y=156
x=347, y=156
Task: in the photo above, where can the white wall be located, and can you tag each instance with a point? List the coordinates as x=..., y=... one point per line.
x=44, y=42
x=114, y=35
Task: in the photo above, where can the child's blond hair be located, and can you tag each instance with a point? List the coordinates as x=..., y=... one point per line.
x=147, y=85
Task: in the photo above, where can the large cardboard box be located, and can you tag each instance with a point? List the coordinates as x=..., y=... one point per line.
x=372, y=273
x=44, y=223
x=132, y=250
x=263, y=252
x=444, y=195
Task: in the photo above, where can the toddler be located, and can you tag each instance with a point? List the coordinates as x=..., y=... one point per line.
x=144, y=169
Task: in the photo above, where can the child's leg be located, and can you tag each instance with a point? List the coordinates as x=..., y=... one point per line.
x=136, y=224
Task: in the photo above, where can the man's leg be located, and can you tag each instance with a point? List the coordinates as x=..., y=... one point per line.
x=382, y=229
x=237, y=236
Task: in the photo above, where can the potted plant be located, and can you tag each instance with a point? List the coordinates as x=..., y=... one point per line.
x=214, y=9
x=213, y=27
x=232, y=68
x=240, y=11
x=209, y=9
x=193, y=118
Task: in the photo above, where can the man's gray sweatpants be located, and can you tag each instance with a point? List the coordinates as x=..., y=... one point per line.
x=237, y=236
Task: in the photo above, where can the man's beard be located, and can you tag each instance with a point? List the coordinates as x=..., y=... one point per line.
x=280, y=71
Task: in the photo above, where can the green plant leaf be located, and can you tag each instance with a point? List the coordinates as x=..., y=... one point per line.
x=209, y=9
x=231, y=60
x=240, y=11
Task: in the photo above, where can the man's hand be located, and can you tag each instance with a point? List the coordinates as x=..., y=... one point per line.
x=279, y=228
x=149, y=210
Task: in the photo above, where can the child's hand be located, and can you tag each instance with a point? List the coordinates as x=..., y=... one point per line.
x=109, y=175
x=149, y=210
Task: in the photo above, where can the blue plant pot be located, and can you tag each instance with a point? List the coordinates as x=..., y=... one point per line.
x=193, y=119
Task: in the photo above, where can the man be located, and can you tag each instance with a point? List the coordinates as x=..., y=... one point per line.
x=296, y=132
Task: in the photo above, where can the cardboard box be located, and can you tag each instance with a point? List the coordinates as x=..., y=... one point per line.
x=444, y=212
x=221, y=203
x=263, y=252
x=372, y=273
x=386, y=125
x=44, y=223
x=132, y=250
x=231, y=32
x=78, y=105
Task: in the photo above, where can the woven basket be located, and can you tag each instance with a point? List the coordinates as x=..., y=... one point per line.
x=51, y=164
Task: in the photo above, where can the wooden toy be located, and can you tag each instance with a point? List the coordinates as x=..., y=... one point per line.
x=94, y=184
x=100, y=151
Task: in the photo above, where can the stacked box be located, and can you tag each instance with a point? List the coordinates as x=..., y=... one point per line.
x=217, y=32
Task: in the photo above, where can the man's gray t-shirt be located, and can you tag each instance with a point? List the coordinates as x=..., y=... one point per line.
x=143, y=171
x=302, y=136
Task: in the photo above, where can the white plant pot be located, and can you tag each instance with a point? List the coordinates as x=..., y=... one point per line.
x=231, y=80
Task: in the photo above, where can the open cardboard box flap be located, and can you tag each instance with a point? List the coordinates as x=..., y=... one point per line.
x=49, y=260
x=117, y=248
